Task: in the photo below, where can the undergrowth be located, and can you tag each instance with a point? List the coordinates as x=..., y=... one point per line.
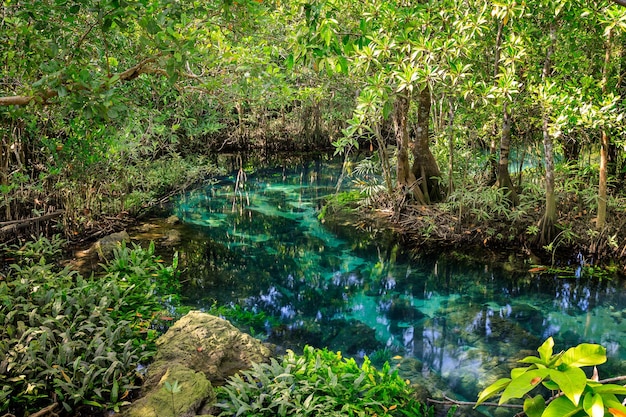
x=72, y=340
x=318, y=383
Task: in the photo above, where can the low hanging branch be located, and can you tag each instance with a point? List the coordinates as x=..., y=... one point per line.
x=15, y=225
x=620, y=2
x=131, y=73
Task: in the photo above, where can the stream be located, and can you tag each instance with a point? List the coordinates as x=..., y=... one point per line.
x=253, y=240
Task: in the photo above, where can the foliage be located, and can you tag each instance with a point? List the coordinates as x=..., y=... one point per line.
x=318, y=382
x=561, y=373
x=76, y=340
x=255, y=323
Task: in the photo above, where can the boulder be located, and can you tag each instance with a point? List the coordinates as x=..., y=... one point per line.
x=172, y=238
x=102, y=250
x=172, y=220
x=198, y=351
x=105, y=246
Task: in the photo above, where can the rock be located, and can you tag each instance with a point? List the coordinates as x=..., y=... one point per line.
x=206, y=344
x=105, y=246
x=172, y=220
x=199, y=350
x=192, y=389
x=86, y=260
x=171, y=237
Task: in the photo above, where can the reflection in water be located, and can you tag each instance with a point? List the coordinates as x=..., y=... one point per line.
x=254, y=240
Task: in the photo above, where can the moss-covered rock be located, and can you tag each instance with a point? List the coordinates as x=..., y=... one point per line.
x=192, y=390
x=206, y=344
x=104, y=247
x=198, y=351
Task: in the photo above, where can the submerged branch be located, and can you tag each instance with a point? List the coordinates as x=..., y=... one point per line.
x=452, y=401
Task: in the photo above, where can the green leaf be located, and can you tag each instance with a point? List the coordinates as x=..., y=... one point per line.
x=492, y=390
x=610, y=389
x=561, y=407
x=289, y=62
x=593, y=405
x=585, y=354
x=517, y=372
x=152, y=27
x=115, y=391
x=534, y=407
x=613, y=405
x=532, y=359
x=524, y=383
x=571, y=381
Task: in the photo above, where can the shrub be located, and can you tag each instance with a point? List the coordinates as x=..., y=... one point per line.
x=318, y=383
x=73, y=340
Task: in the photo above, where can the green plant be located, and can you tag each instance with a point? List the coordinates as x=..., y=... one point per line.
x=173, y=389
x=153, y=283
x=73, y=339
x=37, y=248
x=318, y=383
x=566, y=235
x=250, y=321
x=561, y=373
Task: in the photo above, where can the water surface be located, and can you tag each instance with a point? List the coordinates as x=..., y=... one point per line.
x=254, y=240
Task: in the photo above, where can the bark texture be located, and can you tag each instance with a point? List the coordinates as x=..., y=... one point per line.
x=425, y=168
x=547, y=224
x=604, y=144
x=504, y=178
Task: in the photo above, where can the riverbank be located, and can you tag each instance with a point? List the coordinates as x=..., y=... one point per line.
x=511, y=240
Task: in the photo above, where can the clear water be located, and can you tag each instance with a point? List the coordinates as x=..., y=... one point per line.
x=256, y=242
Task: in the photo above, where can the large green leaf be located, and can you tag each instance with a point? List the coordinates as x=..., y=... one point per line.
x=492, y=390
x=585, y=354
x=545, y=350
x=610, y=389
x=534, y=407
x=561, y=407
x=571, y=381
x=524, y=383
x=593, y=405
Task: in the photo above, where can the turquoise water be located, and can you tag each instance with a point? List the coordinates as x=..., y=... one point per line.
x=255, y=241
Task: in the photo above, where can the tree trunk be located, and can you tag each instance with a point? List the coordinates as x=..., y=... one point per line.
x=493, y=157
x=547, y=225
x=451, y=113
x=384, y=158
x=604, y=144
x=406, y=181
x=425, y=168
x=400, y=119
x=504, y=178
x=602, y=186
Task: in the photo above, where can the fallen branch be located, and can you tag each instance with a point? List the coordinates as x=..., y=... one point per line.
x=15, y=225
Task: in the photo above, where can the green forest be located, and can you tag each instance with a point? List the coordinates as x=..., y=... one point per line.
x=481, y=124
x=503, y=119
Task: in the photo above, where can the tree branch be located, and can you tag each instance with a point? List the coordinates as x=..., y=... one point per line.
x=12, y=226
x=620, y=2
x=130, y=74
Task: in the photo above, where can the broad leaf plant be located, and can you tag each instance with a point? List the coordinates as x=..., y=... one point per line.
x=573, y=393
